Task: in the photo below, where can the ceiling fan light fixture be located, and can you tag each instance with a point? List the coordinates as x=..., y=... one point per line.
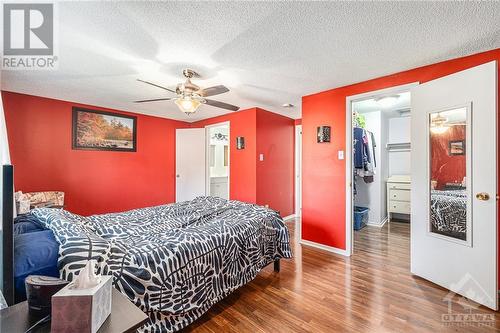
x=439, y=124
x=190, y=96
x=187, y=104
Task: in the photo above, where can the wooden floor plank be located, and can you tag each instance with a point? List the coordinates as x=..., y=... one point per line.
x=316, y=291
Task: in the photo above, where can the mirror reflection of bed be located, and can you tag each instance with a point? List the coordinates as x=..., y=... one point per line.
x=448, y=173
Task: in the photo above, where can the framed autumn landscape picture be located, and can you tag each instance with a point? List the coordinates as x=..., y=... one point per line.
x=98, y=130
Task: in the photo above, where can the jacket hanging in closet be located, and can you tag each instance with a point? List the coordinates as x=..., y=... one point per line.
x=364, y=154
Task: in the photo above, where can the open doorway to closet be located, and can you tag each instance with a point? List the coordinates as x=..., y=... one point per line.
x=380, y=177
x=217, y=165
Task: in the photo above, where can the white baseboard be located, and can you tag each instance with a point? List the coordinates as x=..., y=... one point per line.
x=379, y=225
x=324, y=247
x=289, y=217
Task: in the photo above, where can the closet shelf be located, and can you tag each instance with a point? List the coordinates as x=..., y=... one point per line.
x=400, y=146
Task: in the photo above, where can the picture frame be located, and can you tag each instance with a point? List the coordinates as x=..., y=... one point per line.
x=104, y=131
x=456, y=147
x=323, y=134
x=240, y=142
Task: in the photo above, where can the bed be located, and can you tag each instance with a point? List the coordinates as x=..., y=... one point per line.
x=449, y=213
x=173, y=261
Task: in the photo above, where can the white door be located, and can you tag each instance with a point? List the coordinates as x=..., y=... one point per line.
x=298, y=170
x=189, y=163
x=454, y=183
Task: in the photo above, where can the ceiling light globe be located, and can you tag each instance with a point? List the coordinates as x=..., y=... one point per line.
x=187, y=104
x=387, y=101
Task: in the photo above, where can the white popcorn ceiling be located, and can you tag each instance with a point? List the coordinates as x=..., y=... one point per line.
x=267, y=53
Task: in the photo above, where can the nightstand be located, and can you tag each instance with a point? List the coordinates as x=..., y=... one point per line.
x=124, y=317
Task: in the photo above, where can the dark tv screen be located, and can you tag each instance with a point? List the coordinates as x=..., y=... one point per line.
x=7, y=234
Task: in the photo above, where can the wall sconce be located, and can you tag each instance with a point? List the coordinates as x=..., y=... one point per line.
x=323, y=134
x=240, y=142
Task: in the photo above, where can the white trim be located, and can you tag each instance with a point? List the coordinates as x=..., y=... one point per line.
x=324, y=247
x=298, y=171
x=207, y=157
x=349, y=233
x=289, y=217
x=378, y=225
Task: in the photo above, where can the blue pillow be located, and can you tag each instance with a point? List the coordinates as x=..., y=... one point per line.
x=26, y=227
x=35, y=253
x=27, y=223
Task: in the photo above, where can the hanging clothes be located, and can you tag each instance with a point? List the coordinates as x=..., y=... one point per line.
x=374, y=144
x=370, y=163
x=360, y=148
x=364, y=154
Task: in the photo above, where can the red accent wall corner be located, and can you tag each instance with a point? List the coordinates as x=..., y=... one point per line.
x=270, y=181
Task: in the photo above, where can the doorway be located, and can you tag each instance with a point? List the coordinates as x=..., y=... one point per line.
x=378, y=169
x=218, y=160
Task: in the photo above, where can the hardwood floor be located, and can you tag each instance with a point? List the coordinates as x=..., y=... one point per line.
x=316, y=291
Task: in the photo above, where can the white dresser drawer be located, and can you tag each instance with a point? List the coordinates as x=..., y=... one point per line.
x=399, y=186
x=399, y=207
x=399, y=195
x=218, y=180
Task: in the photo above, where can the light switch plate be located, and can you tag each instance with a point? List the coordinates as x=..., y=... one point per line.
x=341, y=154
x=261, y=157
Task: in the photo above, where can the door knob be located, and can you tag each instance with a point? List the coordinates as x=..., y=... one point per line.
x=483, y=196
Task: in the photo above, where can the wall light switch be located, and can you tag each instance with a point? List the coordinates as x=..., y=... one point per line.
x=261, y=157
x=341, y=154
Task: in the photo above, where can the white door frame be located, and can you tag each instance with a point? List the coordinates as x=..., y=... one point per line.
x=207, y=160
x=349, y=232
x=298, y=171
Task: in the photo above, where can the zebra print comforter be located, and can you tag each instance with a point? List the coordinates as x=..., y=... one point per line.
x=449, y=212
x=173, y=261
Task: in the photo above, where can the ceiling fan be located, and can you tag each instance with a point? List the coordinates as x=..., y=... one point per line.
x=190, y=96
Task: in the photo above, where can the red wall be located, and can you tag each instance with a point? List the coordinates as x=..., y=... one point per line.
x=446, y=168
x=267, y=182
x=242, y=167
x=275, y=174
x=323, y=196
x=39, y=131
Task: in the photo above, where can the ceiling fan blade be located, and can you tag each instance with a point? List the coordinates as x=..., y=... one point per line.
x=155, y=85
x=211, y=91
x=153, y=100
x=221, y=105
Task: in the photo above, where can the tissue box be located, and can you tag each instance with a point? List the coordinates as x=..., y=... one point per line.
x=81, y=310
